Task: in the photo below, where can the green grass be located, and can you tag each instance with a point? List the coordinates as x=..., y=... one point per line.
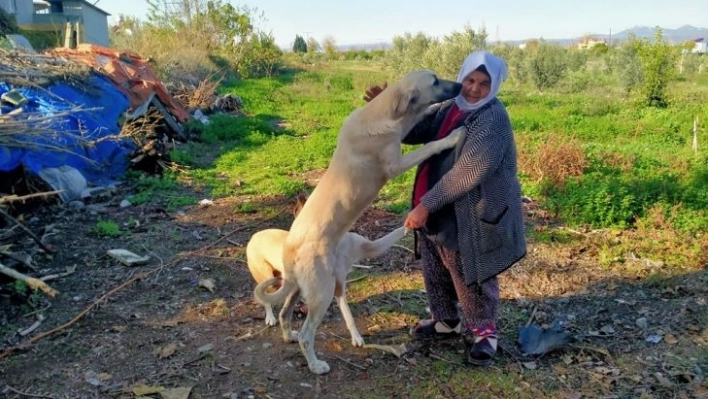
x=638, y=158
x=107, y=228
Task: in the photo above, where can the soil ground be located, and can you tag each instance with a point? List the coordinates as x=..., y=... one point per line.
x=167, y=330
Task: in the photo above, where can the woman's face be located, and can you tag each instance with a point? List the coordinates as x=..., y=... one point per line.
x=476, y=86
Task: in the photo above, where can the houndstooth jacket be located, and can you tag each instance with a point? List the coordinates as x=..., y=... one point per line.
x=474, y=190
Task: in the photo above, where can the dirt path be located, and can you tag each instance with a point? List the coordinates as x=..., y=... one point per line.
x=167, y=331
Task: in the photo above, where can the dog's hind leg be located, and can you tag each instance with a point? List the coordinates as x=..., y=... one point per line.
x=286, y=317
x=318, y=300
x=270, y=318
x=357, y=340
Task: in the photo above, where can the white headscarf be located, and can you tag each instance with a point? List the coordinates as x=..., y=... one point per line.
x=496, y=67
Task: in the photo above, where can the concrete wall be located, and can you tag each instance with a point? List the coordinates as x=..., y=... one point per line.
x=23, y=10
x=95, y=26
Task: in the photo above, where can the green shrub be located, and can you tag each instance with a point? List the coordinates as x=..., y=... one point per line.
x=546, y=65
x=658, y=60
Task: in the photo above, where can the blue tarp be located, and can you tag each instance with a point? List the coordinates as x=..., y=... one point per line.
x=100, y=162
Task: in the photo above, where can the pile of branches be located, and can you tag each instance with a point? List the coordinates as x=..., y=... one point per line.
x=153, y=139
x=201, y=95
x=21, y=68
x=17, y=125
x=196, y=95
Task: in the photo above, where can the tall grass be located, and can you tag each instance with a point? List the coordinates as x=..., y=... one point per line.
x=592, y=158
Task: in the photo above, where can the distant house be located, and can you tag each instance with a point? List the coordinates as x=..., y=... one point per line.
x=589, y=42
x=700, y=46
x=90, y=23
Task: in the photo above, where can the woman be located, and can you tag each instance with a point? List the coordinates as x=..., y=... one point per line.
x=466, y=210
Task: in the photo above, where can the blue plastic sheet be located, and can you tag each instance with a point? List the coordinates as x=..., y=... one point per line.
x=85, y=140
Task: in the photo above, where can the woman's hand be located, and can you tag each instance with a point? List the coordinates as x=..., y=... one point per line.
x=417, y=217
x=374, y=91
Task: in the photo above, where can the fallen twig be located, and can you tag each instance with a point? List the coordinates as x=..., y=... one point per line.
x=396, y=350
x=27, y=230
x=533, y=315
x=356, y=279
x=30, y=281
x=17, y=259
x=50, y=277
x=360, y=367
x=8, y=351
x=29, y=395
x=12, y=198
x=434, y=356
x=236, y=230
x=34, y=326
x=49, y=305
x=402, y=247
x=251, y=335
x=591, y=348
x=361, y=266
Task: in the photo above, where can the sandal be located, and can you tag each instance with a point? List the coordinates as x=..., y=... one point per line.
x=482, y=350
x=431, y=329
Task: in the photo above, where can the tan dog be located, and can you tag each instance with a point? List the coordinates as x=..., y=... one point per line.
x=368, y=154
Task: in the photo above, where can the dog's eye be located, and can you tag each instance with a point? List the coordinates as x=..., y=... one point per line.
x=414, y=100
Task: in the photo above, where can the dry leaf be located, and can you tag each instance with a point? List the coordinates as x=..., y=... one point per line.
x=670, y=339
x=530, y=365
x=663, y=381
x=142, y=389
x=166, y=351
x=608, y=329
x=208, y=283
x=176, y=393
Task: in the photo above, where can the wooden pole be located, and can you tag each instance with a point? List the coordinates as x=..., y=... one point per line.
x=695, y=135
x=67, y=35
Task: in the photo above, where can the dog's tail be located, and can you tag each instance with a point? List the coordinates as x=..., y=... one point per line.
x=275, y=298
x=373, y=249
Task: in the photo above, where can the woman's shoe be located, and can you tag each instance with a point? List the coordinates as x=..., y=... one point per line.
x=481, y=350
x=436, y=330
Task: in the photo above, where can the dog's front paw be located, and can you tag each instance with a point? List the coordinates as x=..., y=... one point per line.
x=319, y=367
x=456, y=136
x=271, y=320
x=357, y=341
x=290, y=337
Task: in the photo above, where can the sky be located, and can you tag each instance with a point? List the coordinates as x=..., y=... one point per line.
x=373, y=21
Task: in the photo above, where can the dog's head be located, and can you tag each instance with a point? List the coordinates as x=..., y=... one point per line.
x=416, y=91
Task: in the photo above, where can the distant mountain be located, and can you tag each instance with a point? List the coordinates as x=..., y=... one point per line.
x=678, y=35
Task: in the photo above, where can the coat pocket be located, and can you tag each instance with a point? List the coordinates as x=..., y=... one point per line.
x=493, y=232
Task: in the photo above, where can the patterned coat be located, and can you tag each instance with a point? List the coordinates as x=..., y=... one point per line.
x=479, y=198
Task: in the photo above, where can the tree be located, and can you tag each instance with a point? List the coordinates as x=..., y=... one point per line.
x=299, y=46
x=329, y=45
x=211, y=23
x=658, y=60
x=624, y=62
x=312, y=45
x=202, y=32
x=547, y=65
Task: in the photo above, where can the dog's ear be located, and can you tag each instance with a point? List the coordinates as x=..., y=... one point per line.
x=299, y=203
x=402, y=101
